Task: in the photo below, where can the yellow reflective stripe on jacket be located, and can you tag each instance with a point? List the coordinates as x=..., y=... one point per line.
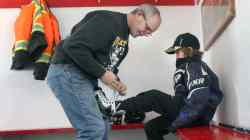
x=38, y=27
x=21, y=45
x=44, y=58
x=38, y=10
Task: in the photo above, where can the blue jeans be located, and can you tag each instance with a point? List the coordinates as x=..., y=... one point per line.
x=76, y=95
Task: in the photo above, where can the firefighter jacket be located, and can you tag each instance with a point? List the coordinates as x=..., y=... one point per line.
x=36, y=34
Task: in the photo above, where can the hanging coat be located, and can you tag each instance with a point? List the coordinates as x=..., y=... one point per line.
x=36, y=35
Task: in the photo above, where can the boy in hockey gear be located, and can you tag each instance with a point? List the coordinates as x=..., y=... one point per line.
x=197, y=93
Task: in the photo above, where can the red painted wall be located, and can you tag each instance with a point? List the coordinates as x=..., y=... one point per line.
x=215, y=2
x=90, y=3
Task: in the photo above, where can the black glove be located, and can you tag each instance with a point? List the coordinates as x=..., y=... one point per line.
x=40, y=71
x=37, y=44
x=20, y=60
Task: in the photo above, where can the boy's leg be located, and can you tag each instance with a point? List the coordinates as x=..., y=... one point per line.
x=152, y=100
x=156, y=128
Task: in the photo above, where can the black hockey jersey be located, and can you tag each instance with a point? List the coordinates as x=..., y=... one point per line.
x=199, y=87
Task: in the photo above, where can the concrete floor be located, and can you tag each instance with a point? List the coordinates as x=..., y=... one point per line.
x=132, y=134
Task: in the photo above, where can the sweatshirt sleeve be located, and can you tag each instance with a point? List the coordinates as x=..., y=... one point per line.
x=84, y=42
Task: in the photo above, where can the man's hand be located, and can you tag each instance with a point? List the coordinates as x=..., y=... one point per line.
x=119, y=86
x=108, y=77
x=111, y=80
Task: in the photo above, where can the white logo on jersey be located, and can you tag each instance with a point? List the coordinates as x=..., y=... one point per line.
x=196, y=82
